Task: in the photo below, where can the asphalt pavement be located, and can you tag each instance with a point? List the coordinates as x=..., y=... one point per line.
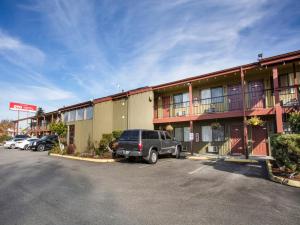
x=37, y=189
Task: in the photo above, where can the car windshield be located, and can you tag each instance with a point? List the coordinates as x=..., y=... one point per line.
x=18, y=139
x=44, y=138
x=130, y=135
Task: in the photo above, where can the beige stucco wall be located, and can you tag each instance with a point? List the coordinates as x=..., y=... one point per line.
x=102, y=119
x=120, y=114
x=83, y=131
x=140, y=109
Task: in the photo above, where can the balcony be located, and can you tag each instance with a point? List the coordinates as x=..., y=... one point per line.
x=227, y=103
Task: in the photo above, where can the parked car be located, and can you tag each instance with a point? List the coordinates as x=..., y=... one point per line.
x=24, y=144
x=12, y=143
x=147, y=144
x=45, y=143
x=22, y=136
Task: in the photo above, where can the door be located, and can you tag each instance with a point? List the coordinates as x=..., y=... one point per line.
x=259, y=140
x=236, y=139
x=164, y=143
x=166, y=106
x=71, y=134
x=235, y=97
x=256, y=94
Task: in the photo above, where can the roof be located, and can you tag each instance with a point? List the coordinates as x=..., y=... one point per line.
x=273, y=60
x=76, y=106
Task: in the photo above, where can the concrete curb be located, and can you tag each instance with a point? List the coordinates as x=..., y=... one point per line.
x=201, y=158
x=281, y=180
x=85, y=159
x=241, y=160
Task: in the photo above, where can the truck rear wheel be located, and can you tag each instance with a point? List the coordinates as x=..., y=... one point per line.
x=178, y=152
x=153, y=157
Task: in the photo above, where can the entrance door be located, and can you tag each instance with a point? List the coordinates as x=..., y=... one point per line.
x=259, y=139
x=71, y=134
x=236, y=139
x=235, y=97
x=256, y=94
x=166, y=106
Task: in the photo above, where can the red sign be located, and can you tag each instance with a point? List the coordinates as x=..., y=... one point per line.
x=22, y=107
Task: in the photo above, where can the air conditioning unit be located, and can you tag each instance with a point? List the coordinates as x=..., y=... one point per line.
x=210, y=110
x=212, y=149
x=180, y=113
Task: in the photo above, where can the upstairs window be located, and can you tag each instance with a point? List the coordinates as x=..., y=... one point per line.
x=212, y=95
x=181, y=100
x=89, y=113
x=79, y=114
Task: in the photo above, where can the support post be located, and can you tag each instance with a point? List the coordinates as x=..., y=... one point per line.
x=191, y=141
x=190, y=98
x=245, y=133
x=296, y=82
x=278, y=109
x=18, y=122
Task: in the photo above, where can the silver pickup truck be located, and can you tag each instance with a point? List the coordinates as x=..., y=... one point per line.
x=147, y=144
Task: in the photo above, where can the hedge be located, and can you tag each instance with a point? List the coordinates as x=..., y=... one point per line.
x=286, y=150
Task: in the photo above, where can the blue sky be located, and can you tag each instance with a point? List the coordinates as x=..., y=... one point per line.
x=55, y=53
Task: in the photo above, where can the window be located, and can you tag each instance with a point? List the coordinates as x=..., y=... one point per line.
x=186, y=134
x=209, y=134
x=66, y=117
x=212, y=95
x=218, y=134
x=286, y=80
x=150, y=135
x=72, y=115
x=130, y=135
x=182, y=134
x=162, y=135
x=205, y=96
x=179, y=133
x=80, y=114
x=89, y=113
x=217, y=95
x=206, y=133
x=181, y=100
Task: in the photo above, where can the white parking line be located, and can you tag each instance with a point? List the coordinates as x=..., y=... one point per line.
x=196, y=170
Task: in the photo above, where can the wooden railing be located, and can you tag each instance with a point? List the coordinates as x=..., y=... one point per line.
x=225, y=103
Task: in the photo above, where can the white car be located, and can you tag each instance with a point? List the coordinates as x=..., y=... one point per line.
x=23, y=144
x=12, y=143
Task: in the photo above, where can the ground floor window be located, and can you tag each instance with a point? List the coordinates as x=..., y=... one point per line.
x=182, y=134
x=210, y=134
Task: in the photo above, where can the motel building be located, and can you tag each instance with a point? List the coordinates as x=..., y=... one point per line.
x=208, y=113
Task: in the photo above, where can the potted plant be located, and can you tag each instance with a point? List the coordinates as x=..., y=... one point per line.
x=255, y=121
x=215, y=125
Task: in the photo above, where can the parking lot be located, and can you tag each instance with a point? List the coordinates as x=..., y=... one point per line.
x=39, y=189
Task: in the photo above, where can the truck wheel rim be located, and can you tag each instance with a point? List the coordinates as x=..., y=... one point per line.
x=154, y=157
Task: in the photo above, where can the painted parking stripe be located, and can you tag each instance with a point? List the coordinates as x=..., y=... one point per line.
x=200, y=168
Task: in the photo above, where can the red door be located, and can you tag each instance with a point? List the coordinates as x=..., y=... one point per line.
x=259, y=140
x=235, y=97
x=236, y=139
x=256, y=94
x=166, y=106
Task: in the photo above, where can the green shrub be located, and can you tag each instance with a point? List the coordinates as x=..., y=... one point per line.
x=55, y=150
x=286, y=150
x=294, y=121
x=117, y=133
x=4, y=138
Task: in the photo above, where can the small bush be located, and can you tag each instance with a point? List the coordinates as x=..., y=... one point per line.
x=4, y=138
x=71, y=149
x=117, y=133
x=294, y=121
x=55, y=150
x=286, y=150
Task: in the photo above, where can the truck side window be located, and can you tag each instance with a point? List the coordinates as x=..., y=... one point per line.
x=162, y=135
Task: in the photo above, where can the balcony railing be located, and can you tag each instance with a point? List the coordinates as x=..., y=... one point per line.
x=225, y=103
x=289, y=96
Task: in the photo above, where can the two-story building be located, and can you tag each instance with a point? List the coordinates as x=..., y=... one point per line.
x=208, y=113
